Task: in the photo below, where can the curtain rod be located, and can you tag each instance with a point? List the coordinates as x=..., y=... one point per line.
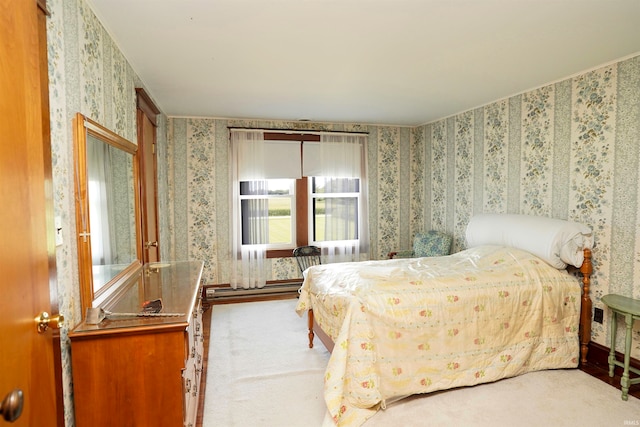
x=298, y=131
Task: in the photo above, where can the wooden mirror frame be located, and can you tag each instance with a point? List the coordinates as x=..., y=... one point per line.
x=84, y=127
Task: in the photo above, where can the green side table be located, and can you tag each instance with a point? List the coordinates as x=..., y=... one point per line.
x=630, y=309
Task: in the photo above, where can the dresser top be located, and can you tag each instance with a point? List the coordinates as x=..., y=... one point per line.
x=174, y=285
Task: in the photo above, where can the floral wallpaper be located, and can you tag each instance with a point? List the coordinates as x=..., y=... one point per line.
x=495, y=157
x=568, y=150
x=88, y=74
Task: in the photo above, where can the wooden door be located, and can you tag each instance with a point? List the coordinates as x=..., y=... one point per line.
x=29, y=360
x=147, y=113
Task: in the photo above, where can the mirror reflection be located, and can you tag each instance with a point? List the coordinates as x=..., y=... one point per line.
x=107, y=211
x=111, y=210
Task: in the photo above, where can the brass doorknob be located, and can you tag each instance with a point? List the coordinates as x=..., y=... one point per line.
x=151, y=244
x=11, y=406
x=44, y=320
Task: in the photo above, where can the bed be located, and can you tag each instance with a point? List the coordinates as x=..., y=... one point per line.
x=506, y=306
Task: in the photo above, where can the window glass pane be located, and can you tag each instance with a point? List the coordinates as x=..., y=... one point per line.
x=267, y=213
x=252, y=216
x=280, y=220
x=247, y=189
x=326, y=185
x=274, y=187
x=281, y=187
x=335, y=218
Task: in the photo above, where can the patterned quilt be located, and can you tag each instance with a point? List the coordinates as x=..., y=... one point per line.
x=410, y=326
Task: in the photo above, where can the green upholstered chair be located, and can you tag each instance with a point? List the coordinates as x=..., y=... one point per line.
x=431, y=243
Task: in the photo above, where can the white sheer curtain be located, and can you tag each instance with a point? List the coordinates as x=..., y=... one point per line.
x=341, y=156
x=100, y=202
x=248, y=269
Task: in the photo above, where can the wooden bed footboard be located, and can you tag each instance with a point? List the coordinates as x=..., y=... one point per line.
x=585, y=307
x=310, y=323
x=585, y=314
x=315, y=329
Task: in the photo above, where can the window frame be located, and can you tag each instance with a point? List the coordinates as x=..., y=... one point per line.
x=311, y=195
x=302, y=195
x=268, y=197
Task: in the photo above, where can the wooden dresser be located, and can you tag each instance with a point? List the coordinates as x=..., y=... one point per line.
x=143, y=371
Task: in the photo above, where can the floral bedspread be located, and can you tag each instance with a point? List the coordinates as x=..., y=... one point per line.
x=410, y=326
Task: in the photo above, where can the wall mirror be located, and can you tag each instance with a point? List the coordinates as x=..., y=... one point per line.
x=107, y=211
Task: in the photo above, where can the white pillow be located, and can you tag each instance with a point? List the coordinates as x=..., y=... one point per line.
x=556, y=241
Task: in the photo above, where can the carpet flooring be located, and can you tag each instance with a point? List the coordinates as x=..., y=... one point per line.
x=261, y=373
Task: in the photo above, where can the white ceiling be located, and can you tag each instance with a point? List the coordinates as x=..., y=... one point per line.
x=400, y=62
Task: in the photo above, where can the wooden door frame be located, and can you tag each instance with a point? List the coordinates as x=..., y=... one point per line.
x=43, y=14
x=147, y=107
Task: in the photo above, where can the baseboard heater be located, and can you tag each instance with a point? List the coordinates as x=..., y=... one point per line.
x=216, y=293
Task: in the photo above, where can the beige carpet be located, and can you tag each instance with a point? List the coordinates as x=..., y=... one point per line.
x=261, y=373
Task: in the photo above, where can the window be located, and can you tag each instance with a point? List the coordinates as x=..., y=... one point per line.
x=332, y=214
x=276, y=198
x=298, y=189
x=334, y=207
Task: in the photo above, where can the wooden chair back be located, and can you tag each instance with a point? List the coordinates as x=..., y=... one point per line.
x=306, y=256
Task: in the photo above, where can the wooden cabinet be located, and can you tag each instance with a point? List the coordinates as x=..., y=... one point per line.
x=143, y=371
